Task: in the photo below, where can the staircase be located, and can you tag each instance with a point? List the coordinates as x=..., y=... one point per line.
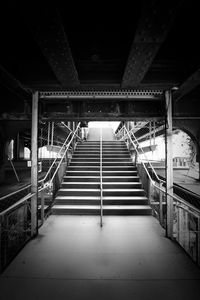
x=122, y=190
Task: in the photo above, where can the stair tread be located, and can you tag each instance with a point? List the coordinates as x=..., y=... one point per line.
x=103, y=171
x=108, y=183
x=134, y=177
x=104, y=197
x=99, y=167
x=105, y=190
x=121, y=207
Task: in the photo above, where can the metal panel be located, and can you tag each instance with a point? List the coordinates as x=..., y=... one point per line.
x=154, y=24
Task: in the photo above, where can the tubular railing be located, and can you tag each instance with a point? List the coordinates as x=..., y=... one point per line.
x=42, y=181
x=47, y=187
x=15, y=209
x=15, y=229
x=101, y=181
x=137, y=148
x=186, y=217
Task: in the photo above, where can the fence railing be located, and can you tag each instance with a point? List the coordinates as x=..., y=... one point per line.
x=15, y=208
x=49, y=185
x=186, y=216
x=15, y=229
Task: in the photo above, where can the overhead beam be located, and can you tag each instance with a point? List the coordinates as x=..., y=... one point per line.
x=48, y=31
x=12, y=84
x=187, y=86
x=153, y=26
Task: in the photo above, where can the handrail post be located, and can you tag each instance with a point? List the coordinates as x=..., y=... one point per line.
x=42, y=206
x=169, y=164
x=34, y=164
x=198, y=241
x=160, y=204
x=101, y=184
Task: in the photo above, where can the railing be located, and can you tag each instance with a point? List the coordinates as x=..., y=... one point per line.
x=49, y=187
x=186, y=217
x=101, y=181
x=15, y=229
x=15, y=208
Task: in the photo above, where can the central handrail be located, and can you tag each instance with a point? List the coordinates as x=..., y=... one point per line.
x=101, y=181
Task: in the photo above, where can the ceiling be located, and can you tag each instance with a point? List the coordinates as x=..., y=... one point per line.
x=54, y=46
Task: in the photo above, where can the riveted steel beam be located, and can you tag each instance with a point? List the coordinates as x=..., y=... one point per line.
x=154, y=24
x=115, y=94
x=187, y=86
x=48, y=31
x=11, y=83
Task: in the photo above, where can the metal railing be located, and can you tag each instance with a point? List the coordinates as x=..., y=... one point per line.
x=101, y=180
x=186, y=217
x=15, y=229
x=49, y=186
x=15, y=207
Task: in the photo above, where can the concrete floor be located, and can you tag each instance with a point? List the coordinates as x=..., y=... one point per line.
x=189, y=182
x=73, y=258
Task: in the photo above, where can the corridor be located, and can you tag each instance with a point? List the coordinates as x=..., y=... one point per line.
x=73, y=258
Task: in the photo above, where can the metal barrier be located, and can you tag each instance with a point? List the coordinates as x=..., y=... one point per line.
x=49, y=185
x=186, y=217
x=15, y=208
x=15, y=229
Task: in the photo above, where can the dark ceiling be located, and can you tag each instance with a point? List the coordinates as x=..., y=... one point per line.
x=51, y=45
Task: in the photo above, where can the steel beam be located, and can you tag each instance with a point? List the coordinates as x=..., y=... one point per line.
x=34, y=165
x=190, y=84
x=49, y=34
x=104, y=94
x=11, y=83
x=169, y=165
x=154, y=24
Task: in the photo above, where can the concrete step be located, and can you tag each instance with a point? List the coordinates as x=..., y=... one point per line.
x=105, y=178
x=105, y=159
x=97, y=168
x=104, y=173
x=111, y=147
x=97, y=163
x=95, y=192
x=95, y=200
x=107, y=210
x=97, y=155
x=81, y=152
x=96, y=185
x=123, y=192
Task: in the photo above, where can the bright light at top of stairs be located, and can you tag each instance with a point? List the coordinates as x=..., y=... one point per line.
x=102, y=124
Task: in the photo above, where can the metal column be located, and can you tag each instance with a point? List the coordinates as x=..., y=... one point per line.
x=34, y=164
x=169, y=164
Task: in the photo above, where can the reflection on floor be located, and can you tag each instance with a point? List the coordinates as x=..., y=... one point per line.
x=73, y=258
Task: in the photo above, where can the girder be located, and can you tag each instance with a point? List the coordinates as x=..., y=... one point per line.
x=187, y=86
x=104, y=94
x=10, y=82
x=49, y=33
x=154, y=24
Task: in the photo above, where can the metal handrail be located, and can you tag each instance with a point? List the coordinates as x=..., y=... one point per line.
x=195, y=209
x=71, y=131
x=101, y=182
x=19, y=202
x=55, y=159
x=61, y=160
x=136, y=149
x=42, y=180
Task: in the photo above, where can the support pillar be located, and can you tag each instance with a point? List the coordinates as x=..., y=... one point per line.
x=169, y=164
x=34, y=164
